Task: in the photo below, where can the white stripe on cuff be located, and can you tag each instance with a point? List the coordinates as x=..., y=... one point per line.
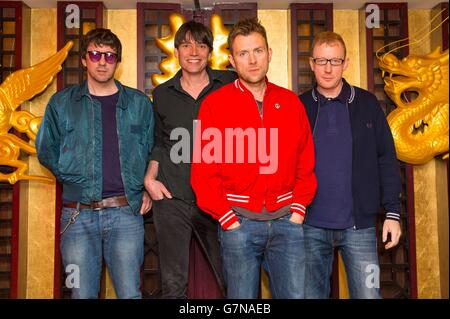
x=225, y=216
x=393, y=215
x=223, y=223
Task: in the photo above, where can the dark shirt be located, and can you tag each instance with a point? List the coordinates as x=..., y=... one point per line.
x=112, y=178
x=175, y=108
x=333, y=203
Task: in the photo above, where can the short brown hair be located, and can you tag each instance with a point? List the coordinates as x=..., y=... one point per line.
x=328, y=38
x=245, y=27
x=101, y=36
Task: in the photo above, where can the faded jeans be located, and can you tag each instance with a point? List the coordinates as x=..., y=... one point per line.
x=115, y=234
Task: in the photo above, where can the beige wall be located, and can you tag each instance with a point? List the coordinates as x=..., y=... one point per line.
x=124, y=24
x=276, y=23
x=37, y=199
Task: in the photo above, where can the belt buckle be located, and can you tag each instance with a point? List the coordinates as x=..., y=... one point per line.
x=94, y=204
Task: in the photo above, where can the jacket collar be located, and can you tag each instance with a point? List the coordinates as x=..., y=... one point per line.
x=84, y=91
x=241, y=87
x=175, y=81
x=347, y=93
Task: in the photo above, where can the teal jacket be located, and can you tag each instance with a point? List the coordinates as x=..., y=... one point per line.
x=69, y=142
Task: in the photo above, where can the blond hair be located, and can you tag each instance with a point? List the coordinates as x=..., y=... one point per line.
x=329, y=38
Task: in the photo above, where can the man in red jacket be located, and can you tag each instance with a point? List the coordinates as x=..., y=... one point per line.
x=252, y=170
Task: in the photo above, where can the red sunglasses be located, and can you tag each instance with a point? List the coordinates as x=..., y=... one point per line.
x=96, y=56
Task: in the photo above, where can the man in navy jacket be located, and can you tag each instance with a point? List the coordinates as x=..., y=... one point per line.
x=356, y=169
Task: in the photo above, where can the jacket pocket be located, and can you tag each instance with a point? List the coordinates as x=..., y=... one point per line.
x=70, y=161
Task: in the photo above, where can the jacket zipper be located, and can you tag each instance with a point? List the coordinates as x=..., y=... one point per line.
x=261, y=116
x=93, y=146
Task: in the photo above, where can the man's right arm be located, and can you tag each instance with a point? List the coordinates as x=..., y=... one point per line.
x=48, y=140
x=155, y=188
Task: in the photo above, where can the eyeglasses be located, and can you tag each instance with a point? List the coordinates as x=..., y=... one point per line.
x=96, y=56
x=323, y=61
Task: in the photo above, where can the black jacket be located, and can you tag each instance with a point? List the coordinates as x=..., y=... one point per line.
x=375, y=170
x=174, y=108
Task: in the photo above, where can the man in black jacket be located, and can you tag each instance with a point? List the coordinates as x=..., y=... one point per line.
x=175, y=212
x=356, y=169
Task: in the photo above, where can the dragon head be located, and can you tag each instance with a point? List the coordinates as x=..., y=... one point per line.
x=418, y=85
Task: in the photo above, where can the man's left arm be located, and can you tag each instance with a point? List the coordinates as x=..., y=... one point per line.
x=146, y=199
x=390, y=181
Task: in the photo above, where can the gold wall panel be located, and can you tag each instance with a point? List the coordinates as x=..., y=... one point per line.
x=431, y=215
x=276, y=24
x=430, y=196
x=346, y=22
x=124, y=23
x=37, y=200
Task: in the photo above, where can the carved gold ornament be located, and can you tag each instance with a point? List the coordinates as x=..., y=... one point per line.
x=169, y=66
x=419, y=127
x=19, y=87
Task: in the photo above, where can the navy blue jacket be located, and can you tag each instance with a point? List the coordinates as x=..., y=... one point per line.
x=375, y=170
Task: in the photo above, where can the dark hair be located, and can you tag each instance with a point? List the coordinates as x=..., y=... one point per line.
x=196, y=31
x=245, y=27
x=101, y=36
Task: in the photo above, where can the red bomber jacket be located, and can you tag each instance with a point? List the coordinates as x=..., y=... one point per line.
x=244, y=159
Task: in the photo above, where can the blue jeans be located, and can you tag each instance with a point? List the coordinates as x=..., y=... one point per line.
x=115, y=234
x=276, y=245
x=358, y=249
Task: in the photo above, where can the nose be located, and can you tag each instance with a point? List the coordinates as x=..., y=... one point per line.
x=251, y=58
x=328, y=67
x=102, y=60
x=194, y=49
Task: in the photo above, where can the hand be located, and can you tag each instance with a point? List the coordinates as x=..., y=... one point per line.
x=146, y=203
x=234, y=225
x=393, y=227
x=156, y=189
x=297, y=218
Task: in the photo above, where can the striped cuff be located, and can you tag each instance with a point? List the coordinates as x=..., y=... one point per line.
x=393, y=216
x=298, y=208
x=228, y=219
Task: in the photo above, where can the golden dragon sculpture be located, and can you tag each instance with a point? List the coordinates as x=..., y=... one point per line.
x=19, y=87
x=420, y=127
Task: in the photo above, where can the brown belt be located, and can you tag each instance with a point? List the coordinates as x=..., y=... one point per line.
x=110, y=202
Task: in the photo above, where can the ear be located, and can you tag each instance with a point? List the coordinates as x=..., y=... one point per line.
x=345, y=66
x=83, y=60
x=230, y=57
x=270, y=54
x=311, y=64
x=175, y=52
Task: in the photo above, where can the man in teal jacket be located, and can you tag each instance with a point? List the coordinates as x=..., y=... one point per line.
x=96, y=139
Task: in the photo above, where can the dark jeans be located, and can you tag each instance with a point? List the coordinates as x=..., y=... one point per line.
x=175, y=221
